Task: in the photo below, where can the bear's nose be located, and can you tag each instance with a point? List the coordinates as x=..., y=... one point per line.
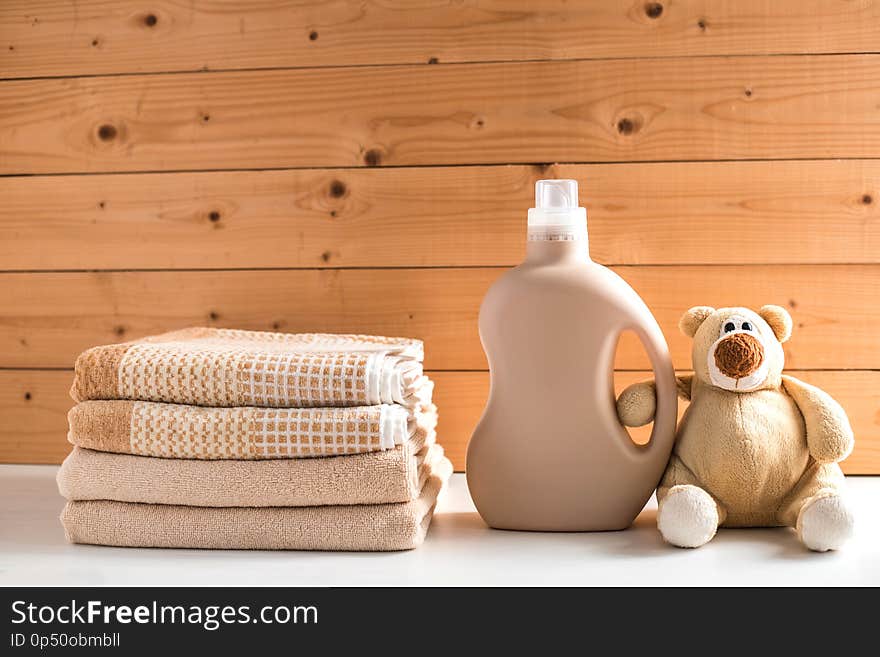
x=739, y=355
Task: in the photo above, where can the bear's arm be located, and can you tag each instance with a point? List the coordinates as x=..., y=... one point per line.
x=637, y=404
x=683, y=386
x=829, y=434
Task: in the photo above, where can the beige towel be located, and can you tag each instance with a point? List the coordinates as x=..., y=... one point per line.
x=199, y=432
x=379, y=527
x=225, y=367
x=396, y=475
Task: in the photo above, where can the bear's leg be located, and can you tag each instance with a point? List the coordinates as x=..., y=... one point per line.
x=817, y=511
x=688, y=516
x=825, y=522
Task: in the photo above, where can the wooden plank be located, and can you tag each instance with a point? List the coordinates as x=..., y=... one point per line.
x=46, y=319
x=34, y=404
x=578, y=111
x=33, y=415
x=47, y=38
x=461, y=396
x=656, y=213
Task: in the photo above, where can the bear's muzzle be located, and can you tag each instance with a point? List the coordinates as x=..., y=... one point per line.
x=739, y=355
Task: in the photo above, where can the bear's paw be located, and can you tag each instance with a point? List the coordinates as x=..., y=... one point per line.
x=687, y=517
x=825, y=523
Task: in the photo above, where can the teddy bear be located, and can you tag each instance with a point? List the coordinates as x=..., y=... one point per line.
x=755, y=447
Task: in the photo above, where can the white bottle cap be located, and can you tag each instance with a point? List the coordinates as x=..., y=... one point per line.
x=556, y=215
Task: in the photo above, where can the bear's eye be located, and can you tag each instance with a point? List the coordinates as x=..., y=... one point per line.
x=729, y=327
x=746, y=326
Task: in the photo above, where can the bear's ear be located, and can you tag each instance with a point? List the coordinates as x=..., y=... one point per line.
x=778, y=319
x=691, y=320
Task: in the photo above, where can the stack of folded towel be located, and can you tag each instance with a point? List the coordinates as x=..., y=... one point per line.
x=217, y=438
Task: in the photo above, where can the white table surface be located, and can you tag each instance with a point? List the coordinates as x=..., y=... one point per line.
x=459, y=550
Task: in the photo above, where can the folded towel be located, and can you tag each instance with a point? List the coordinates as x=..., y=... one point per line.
x=396, y=475
x=199, y=432
x=225, y=367
x=381, y=527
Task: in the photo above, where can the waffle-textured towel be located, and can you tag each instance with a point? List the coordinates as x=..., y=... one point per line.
x=226, y=367
x=198, y=432
x=380, y=527
x=396, y=475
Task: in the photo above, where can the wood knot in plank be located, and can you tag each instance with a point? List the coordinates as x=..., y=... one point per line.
x=373, y=157
x=338, y=189
x=628, y=126
x=107, y=132
x=653, y=10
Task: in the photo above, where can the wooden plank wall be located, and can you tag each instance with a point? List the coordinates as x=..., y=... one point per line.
x=366, y=166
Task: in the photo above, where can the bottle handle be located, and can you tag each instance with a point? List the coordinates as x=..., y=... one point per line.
x=666, y=413
x=666, y=393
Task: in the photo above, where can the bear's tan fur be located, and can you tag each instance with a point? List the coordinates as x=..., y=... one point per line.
x=761, y=445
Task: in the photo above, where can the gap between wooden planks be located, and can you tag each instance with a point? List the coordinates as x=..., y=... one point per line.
x=578, y=111
x=34, y=405
x=657, y=213
x=41, y=37
x=49, y=318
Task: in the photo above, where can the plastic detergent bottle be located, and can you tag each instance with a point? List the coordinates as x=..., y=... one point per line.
x=549, y=453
